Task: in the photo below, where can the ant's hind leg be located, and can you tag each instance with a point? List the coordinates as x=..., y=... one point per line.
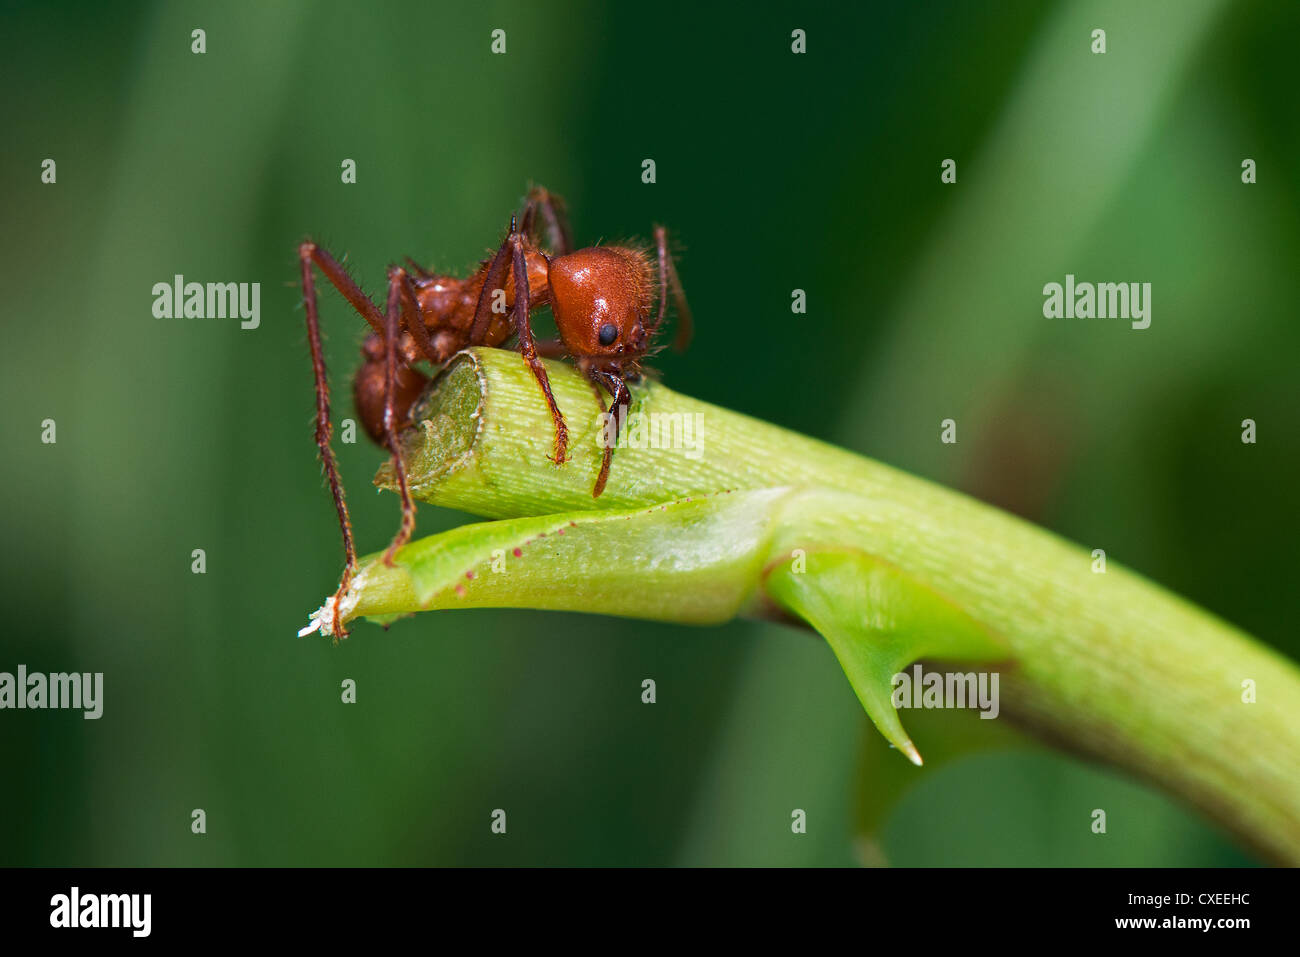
x=309, y=254
x=325, y=428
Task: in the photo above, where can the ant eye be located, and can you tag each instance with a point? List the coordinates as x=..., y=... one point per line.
x=608, y=333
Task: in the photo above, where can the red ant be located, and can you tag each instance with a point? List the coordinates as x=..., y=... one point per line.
x=601, y=297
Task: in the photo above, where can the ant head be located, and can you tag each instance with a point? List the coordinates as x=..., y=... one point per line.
x=600, y=297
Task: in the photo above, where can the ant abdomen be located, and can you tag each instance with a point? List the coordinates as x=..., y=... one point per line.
x=368, y=392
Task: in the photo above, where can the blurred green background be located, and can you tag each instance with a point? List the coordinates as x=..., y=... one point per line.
x=775, y=171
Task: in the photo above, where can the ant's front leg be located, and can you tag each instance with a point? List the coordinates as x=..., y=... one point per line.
x=620, y=401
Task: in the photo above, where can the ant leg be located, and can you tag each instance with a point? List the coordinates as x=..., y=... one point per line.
x=551, y=348
x=511, y=255
x=528, y=346
x=418, y=269
x=668, y=281
x=620, y=399
x=553, y=215
x=392, y=328
x=411, y=313
x=324, y=432
x=338, y=277
x=493, y=279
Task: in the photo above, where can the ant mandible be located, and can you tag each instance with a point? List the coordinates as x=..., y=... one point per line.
x=602, y=298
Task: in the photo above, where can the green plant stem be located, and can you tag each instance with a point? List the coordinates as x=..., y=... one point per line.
x=1108, y=665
